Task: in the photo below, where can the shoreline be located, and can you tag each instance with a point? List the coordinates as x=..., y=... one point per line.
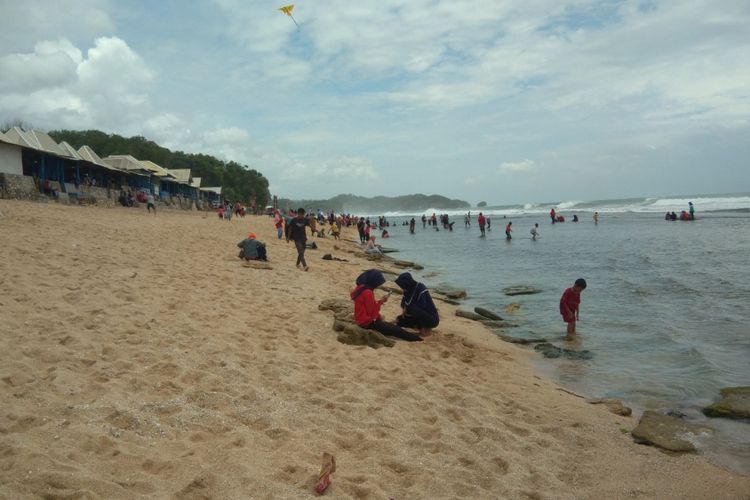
x=144, y=359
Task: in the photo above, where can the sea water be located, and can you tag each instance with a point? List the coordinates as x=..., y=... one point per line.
x=665, y=314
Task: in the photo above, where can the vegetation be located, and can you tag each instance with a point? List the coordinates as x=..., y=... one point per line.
x=239, y=182
x=377, y=205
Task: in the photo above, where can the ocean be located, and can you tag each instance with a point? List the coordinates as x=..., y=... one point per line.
x=666, y=310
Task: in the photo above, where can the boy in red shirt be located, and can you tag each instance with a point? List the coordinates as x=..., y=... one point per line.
x=569, y=304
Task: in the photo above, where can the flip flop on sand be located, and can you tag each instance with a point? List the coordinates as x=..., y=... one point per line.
x=328, y=468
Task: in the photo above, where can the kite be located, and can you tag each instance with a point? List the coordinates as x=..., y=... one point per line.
x=288, y=11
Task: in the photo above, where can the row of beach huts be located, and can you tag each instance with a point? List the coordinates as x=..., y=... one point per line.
x=34, y=166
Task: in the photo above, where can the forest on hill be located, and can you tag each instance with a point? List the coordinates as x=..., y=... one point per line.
x=350, y=203
x=239, y=182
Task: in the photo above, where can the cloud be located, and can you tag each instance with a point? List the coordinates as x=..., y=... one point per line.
x=516, y=166
x=58, y=86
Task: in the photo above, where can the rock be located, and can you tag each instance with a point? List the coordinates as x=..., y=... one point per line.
x=521, y=290
x=520, y=340
x=451, y=293
x=431, y=274
x=666, y=432
x=446, y=300
x=335, y=305
x=407, y=264
x=469, y=315
x=512, y=308
x=734, y=403
x=487, y=314
x=355, y=335
x=388, y=250
x=257, y=264
x=328, y=256
x=551, y=351
x=613, y=405
x=499, y=324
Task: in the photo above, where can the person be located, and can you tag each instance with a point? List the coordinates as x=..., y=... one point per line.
x=596, y=218
x=666, y=216
x=278, y=222
x=130, y=198
x=296, y=231
x=150, y=203
x=691, y=209
x=535, y=232
x=570, y=303
x=489, y=224
x=481, y=221
x=467, y=221
x=372, y=248
x=417, y=308
x=673, y=216
x=412, y=223
x=335, y=230
x=553, y=215
x=367, y=309
x=385, y=234
x=252, y=249
x=313, y=223
x=424, y=221
x=508, y=230
x=575, y=218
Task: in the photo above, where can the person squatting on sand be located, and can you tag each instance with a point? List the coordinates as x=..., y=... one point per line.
x=418, y=309
x=372, y=248
x=252, y=249
x=296, y=231
x=570, y=303
x=367, y=309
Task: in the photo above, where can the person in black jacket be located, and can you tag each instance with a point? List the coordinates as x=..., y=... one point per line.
x=296, y=231
x=418, y=309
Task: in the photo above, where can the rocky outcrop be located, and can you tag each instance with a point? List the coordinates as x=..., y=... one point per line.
x=520, y=290
x=451, y=293
x=666, y=432
x=551, y=351
x=469, y=315
x=406, y=264
x=613, y=405
x=734, y=403
x=487, y=314
x=521, y=340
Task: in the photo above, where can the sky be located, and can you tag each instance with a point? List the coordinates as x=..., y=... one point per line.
x=503, y=101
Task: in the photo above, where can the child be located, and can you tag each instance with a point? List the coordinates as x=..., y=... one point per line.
x=569, y=304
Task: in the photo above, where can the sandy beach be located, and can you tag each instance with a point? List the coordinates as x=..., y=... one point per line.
x=141, y=359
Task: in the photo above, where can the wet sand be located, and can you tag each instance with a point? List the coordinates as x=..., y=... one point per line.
x=140, y=358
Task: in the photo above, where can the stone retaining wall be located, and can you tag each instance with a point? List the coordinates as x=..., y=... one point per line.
x=19, y=187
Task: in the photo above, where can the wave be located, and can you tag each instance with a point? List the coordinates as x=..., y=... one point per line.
x=736, y=203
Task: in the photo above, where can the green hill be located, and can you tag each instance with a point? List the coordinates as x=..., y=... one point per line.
x=379, y=204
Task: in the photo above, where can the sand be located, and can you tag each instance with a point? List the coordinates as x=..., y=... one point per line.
x=140, y=358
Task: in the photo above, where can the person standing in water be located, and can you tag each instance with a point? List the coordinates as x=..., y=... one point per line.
x=481, y=221
x=553, y=215
x=596, y=218
x=535, y=232
x=691, y=210
x=570, y=304
x=508, y=230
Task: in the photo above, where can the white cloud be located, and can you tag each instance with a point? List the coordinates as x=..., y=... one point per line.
x=57, y=86
x=516, y=166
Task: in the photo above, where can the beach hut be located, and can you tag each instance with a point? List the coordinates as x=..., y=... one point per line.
x=212, y=195
x=92, y=165
x=43, y=161
x=10, y=156
x=158, y=175
x=133, y=173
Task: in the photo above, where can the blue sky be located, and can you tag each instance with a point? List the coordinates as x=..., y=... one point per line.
x=488, y=100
